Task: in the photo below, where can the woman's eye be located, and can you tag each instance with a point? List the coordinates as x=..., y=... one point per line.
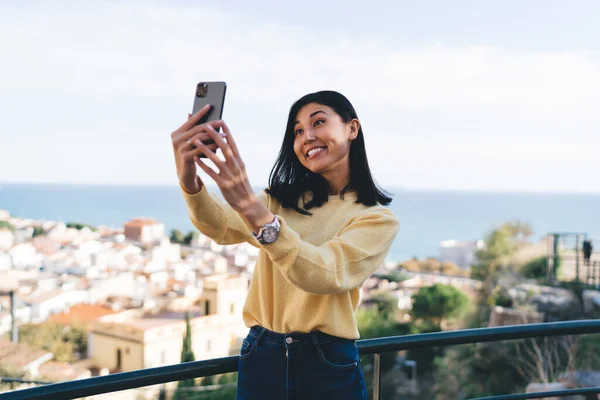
x=298, y=132
x=319, y=122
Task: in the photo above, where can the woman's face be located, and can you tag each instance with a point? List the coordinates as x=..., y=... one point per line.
x=322, y=141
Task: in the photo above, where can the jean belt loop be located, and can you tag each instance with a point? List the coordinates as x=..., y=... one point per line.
x=316, y=342
x=261, y=332
x=257, y=331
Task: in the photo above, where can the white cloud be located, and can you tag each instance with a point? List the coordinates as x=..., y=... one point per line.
x=419, y=105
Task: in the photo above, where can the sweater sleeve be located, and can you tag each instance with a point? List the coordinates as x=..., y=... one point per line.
x=217, y=220
x=344, y=262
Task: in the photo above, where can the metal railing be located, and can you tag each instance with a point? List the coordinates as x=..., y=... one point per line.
x=575, y=269
x=196, y=369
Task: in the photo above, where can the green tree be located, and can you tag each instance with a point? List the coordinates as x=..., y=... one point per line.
x=79, y=226
x=38, y=231
x=208, y=380
x=500, y=297
x=588, y=352
x=499, y=246
x=424, y=357
x=393, y=276
x=372, y=324
x=187, y=355
x=489, y=368
x=536, y=268
x=496, y=368
x=225, y=379
x=77, y=335
x=437, y=303
x=6, y=224
x=386, y=305
x=520, y=230
x=192, y=235
x=68, y=343
x=177, y=236
x=469, y=371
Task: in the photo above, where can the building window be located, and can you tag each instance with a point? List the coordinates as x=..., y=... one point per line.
x=207, y=308
x=118, y=359
x=232, y=308
x=208, y=345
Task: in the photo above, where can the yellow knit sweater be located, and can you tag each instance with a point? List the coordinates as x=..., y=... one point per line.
x=309, y=278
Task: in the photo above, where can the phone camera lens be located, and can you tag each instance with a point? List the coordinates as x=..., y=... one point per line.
x=201, y=90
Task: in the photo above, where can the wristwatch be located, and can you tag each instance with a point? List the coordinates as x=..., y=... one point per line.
x=268, y=233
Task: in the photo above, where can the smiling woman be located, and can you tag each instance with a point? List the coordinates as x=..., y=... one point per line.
x=311, y=264
x=323, y=147
x=323, y=152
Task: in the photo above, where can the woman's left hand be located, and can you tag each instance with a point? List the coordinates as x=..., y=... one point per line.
x=231, y=177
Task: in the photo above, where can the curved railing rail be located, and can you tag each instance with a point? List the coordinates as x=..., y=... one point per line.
x=544, y=395
x=195, y=369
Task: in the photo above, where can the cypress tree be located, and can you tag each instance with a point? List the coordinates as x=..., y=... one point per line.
x=187, y=354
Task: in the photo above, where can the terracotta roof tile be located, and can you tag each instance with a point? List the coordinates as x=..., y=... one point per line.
x=81, y=313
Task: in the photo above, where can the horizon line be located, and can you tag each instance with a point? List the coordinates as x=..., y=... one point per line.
x=399, y=188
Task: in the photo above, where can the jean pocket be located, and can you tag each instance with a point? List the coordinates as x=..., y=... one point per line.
x=249, y=344
x=341, y=354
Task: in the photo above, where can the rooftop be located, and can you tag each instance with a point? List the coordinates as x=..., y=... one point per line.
x=61, y=371
x=81, y=313
x=41, y=297
x=151, y=321
x=18, y=354
x=139, y=222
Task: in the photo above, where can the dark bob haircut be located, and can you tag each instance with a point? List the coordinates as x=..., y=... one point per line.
x=290, y=180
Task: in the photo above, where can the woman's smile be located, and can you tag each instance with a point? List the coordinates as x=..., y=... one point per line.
x=316, y=152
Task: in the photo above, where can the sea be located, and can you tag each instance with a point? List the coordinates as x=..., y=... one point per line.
x=426, y=217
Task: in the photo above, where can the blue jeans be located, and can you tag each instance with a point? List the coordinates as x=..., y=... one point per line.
x=299, y=366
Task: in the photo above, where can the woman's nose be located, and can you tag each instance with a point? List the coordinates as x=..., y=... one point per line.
x=309, y=136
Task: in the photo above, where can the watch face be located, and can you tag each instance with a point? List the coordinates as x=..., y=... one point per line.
x=270, y=234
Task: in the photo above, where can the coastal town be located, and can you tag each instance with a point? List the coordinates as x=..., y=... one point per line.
x=130, y=288
x=78, y=301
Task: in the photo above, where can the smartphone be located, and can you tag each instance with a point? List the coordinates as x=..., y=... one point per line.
x=212, y=93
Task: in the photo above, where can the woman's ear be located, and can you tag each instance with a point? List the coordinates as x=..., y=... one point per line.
x=354, y=126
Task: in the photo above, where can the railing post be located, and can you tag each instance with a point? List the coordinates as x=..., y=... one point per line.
x=548, y=262
x=577, y=259
x=14, y=331
x=377, y=376
x=596, y=274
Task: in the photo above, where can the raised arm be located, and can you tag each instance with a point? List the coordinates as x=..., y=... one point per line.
x=341, y=264
x=217, y=220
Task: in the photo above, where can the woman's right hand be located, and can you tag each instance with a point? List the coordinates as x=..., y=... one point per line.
x=184, y=150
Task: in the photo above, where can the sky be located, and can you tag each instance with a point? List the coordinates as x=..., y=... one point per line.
x=452, y=95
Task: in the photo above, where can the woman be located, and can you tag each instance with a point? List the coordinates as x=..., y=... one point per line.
x=322, y=231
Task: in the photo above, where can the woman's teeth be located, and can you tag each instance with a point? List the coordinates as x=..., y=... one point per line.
x=315, y=151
